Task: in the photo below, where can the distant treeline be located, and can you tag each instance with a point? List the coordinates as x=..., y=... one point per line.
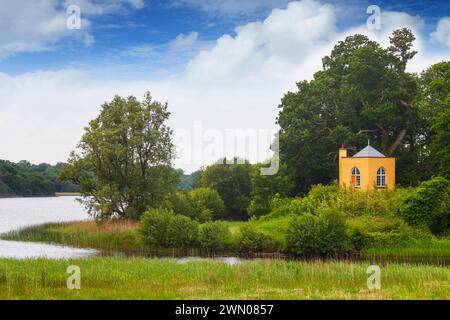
x=24, y=179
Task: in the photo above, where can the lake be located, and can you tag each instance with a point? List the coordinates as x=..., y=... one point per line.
x=16, y=213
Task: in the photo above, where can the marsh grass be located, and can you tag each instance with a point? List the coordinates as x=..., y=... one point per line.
x=122, y=236
x=108, y=235
x=139, y=278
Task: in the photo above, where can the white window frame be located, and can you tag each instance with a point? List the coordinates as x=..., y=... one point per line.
x=357, y=174
x=381, y=177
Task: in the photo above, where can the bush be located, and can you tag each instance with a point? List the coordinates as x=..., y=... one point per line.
x=183, y=232
x=214, y=236
x=207, y=203
x=154, y=227
x=355, y=203
x=427, y=205
x=368, y=232
x=324, y=234
x=251, y=240
x=318, y=196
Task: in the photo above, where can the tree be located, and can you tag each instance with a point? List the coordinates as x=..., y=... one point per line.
x=265, y=187
x=362, y=92
x=232, y=182
x=123, y=165
x=435, y=108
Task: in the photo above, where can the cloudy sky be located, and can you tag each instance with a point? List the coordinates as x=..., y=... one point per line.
x=222, y=66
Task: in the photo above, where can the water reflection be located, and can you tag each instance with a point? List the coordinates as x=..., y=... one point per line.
x=231, y=261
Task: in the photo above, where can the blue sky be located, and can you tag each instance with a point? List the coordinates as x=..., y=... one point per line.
x=156, y=23
x=224, y=64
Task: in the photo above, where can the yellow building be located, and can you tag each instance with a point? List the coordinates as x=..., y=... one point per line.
x=368, y=169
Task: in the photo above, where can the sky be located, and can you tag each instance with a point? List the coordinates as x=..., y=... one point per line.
x=222, y=66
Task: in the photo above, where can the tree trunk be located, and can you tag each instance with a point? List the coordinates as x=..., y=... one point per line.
x=398, y=141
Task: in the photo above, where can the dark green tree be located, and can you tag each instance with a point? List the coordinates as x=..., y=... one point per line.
x=362, y=92
x=435, y=107
x=232, y=182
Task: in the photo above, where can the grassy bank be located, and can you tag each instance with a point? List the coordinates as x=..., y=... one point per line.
x=119, y=278
x=123, y=236
x=110, y=235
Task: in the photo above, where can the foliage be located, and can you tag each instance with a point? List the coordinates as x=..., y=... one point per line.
x=427, y=205
x=232, y=182
x=252, y=240
x=381, y=232
x=161, y=228
x=207, y=204
x=317, y=196
x=214, y=236
x=265, y=187
x=154, y=227
x=371, y=202
x=182, y=232
x=28, y=180
x=202, y=204
x=123, y=164
x=435, y=107
x=180, y=202
x=362, y=92
x=324, y=234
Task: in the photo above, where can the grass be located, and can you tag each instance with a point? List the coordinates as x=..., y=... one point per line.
x=414, y=248
x=109, y=235
x=139, y=278
x=122, y=235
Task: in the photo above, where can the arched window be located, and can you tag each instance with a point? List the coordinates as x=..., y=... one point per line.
x=356, y=177
x=381, y=178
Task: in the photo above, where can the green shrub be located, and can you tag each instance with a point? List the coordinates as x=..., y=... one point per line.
x=370, y=232
x=183, y=232
x=355, y=203
x=214, y=236
x=251, y=240
x=427, y=205
x=154, y=227
x=202, y=204
x=207, y=204
x=322, y=234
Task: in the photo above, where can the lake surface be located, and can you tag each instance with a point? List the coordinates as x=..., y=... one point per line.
x=16, y=213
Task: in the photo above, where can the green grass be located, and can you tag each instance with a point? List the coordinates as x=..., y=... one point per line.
x=414, y=248
x=123, y=236
x=139, y=278
x=110, y=235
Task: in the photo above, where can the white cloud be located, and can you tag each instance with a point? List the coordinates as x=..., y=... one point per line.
x=442, y=33
x=183, y=41
x=235, y=83
x=275, y=48
x=30, y=26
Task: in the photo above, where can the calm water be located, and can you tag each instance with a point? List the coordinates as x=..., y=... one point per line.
x=17, y=213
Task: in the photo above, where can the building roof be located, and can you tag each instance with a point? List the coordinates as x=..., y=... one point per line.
x=369, y=152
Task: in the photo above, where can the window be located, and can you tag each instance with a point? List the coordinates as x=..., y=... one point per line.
x=356, y=177
x=381, y=178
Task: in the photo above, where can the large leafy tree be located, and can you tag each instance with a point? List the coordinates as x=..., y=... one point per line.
x=123, y=164
x=435, y=85
x=362, y=92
